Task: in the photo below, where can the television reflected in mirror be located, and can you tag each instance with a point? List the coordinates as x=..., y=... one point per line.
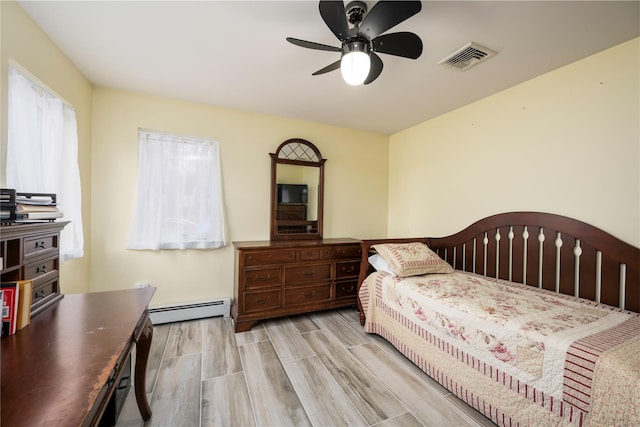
x=292, y=193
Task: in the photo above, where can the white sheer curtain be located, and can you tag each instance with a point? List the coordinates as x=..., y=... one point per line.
x=42, y=153
x=179, y=201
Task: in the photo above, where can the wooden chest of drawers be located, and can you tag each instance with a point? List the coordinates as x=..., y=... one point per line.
x=275, y=279
x=30, y=251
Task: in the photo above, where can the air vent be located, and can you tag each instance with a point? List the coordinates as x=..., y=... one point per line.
x=468, y=56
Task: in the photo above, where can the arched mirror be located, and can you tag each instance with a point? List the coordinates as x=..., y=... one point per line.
x=297, y=179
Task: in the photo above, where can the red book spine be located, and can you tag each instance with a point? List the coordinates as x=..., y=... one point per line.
x=10, y=308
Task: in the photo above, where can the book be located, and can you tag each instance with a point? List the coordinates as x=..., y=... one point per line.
x=41, y=215
x=11, y=292
x=22, y=208
x=35, y=212
x=27, y=199
x=25, y=298
x=1, y=305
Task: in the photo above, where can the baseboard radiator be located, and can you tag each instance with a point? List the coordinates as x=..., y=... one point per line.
x=192, y=311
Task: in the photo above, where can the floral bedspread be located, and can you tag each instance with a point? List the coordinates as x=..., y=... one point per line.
x=535, y=337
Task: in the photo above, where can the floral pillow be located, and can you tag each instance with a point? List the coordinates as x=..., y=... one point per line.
x=412, y=259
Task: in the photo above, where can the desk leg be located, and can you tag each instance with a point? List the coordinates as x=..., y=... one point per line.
x=142, y=355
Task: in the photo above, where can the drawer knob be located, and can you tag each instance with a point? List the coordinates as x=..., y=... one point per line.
x=41, y=269
x=351, y=288
x=309, y=295
x=262, y=301
x=124, y=383
x=112, y=378
x=309, y=273
x=348, y=270
x=264, y=278
x=40, y=244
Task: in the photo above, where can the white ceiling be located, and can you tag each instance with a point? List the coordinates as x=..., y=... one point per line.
x=234, y=54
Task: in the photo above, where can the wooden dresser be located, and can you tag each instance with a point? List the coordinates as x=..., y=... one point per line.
x=280, y=278
x=31, y=251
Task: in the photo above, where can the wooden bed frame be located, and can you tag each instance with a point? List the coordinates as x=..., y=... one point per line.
x=545, y=250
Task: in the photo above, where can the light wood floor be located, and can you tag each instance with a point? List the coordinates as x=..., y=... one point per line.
x=314, y=370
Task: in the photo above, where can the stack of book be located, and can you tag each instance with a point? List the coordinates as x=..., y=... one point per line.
x=37, y=206
x=15, y=300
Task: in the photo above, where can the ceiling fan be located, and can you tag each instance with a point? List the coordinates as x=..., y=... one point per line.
x=359, y=62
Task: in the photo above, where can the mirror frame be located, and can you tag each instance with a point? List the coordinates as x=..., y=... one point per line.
x=307, y=155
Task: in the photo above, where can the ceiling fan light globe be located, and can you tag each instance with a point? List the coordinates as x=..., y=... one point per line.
x=355, y=67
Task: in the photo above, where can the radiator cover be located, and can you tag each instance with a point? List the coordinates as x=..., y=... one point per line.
x=190, y=311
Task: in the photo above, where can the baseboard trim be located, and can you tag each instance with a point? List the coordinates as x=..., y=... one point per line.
x=190, y=311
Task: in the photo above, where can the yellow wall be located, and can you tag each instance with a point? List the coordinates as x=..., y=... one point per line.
x=108, y=156
x=355, y=171
x=24, y=42
x=566, y=142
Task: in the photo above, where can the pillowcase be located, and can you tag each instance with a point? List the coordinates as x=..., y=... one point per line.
x=412, y=259
x=380, y=264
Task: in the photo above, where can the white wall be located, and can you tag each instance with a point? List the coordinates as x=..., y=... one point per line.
x=567, y=142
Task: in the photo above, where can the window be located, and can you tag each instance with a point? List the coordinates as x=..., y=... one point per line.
x=179, y=202
x=42, y=152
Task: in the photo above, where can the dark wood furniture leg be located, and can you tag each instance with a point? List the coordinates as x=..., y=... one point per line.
x=244, y=326
x=143, y=344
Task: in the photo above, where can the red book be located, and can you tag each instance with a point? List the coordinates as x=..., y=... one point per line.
x=11, y=293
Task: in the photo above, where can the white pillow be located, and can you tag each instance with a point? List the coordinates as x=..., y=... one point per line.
x=380, y=264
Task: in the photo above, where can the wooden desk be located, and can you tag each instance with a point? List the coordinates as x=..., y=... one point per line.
x=62, y=369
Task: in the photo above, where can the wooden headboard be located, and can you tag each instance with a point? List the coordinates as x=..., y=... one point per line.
x=545, y=250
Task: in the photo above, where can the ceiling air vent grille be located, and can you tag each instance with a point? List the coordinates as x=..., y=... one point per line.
x=468, y=56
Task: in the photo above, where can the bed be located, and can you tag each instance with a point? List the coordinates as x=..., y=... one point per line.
x=531, y=318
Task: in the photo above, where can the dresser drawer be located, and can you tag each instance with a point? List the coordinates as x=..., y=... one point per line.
x=261, y=277
x=37, y=269
x=307, y=273
x=260, y=301
x=307, y=294
x=271, y=257
x=341, y=252
x=309, y=254
x=40, y=245
x=347, y=269
x=346, y=289
x=41, y=292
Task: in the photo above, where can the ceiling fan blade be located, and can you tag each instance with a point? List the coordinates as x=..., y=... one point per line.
x=376, y=68
x=386, y=14
x=335, y=17
x=328, y=68
x=312, y=45
x=407, y=45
